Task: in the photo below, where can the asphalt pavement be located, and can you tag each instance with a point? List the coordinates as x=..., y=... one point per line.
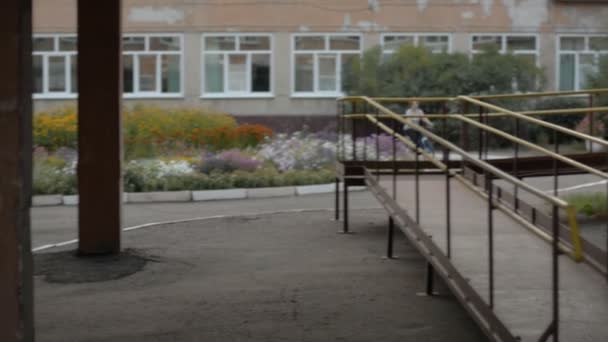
x=261, y=277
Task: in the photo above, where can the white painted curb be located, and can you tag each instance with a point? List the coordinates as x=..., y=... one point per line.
x=47, y=200
x=70, y=200
x=284, y=191
x=315, y=189
x=213, y=195
x=155, y=197
x=203, y=195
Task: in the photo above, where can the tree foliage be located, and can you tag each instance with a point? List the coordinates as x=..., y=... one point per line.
x=599, y=80
x=415, y=71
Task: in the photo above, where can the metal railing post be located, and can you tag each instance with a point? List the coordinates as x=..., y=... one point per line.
x=354, y=137
x=345, y=225
x=490, y=189
x=339, y=131
x=337, y=198
x=417, y=177
x=606, y=224
x=555, y=166
x=394, y=124
x=345, y=182
x=377, y=144
x=448, y=196
x=342, y=134
x=480, y=134
x=365, y=133
x=430, y=280
x=555, y=267
x=338, y=151
x=448, y=203
x=516, y=166
x=390, y=240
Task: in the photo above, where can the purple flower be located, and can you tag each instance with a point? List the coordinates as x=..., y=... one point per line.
x=229, y=161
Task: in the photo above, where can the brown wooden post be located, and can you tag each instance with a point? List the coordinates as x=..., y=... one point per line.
x=16, y=290
x=99, y=126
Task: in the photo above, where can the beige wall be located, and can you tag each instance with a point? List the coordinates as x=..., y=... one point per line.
x=289, y=16
x=282, y=18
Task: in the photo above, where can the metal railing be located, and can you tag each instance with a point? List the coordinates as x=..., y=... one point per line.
x=371, y=111
x=501, y=112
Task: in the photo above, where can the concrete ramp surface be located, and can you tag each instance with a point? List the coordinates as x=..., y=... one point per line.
x=522, y=263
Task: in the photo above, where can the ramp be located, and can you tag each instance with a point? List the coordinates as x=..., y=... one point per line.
x=519, y=267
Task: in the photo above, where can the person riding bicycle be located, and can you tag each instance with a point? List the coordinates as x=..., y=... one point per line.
x=416, y=137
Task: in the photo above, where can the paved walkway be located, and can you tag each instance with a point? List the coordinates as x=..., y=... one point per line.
x=56, y=224
x=286, y=277
x=522, y=263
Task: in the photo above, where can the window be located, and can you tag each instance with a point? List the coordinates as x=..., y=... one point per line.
x=578, y=57
x=237, y=65
x=54, y=66
x=152, y=65
x=318, y=61
x=436, y=43
x=525, y=46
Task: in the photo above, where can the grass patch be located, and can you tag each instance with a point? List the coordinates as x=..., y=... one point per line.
x=589, y=204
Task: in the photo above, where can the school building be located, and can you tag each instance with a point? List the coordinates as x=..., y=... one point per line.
x=283, y=58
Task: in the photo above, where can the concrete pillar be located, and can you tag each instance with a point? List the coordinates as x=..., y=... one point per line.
x=99, y=126
x=16, y=303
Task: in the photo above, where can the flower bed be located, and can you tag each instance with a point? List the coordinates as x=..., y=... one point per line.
x=152, y=132
x=195, y=149
x=298, y=159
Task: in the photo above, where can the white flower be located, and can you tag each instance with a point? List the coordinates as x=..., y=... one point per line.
x=158, y=168
x=174, y=168
x=298, y=151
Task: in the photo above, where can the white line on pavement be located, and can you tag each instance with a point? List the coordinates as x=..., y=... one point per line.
x=204, y=218
x=580, y=186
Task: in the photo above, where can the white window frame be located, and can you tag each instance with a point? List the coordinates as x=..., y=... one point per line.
x=136, y=94
x=237, y=94
x=46, y=94
x=316, y=53
x=416, y=36
x=576, y=53
x=503, y=46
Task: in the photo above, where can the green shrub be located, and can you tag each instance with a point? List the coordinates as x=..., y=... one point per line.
x=528, y=131
x=49, y=179
x=140, y=179
x=589, y=204
x=415, y=71
x=533, y=132
x=599, y=80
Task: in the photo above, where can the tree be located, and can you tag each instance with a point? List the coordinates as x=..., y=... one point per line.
x=599, y=80
x=415, y=71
